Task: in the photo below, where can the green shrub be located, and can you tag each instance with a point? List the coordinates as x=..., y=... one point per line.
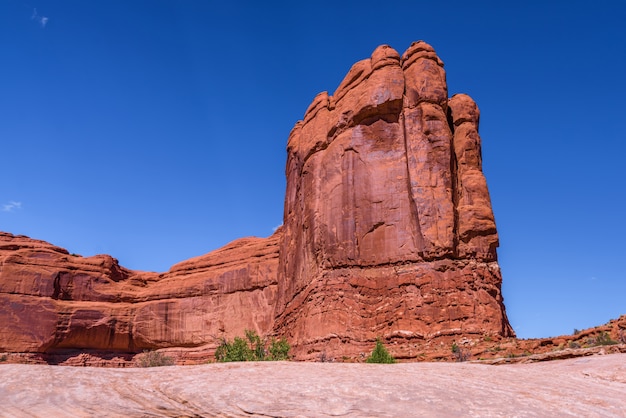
x=237, y=350
x=154, y=359
x=279, y=350
x=252, y=348
x=380, y=354
x=604, y=339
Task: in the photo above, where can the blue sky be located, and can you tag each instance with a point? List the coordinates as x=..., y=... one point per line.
x=155, y=131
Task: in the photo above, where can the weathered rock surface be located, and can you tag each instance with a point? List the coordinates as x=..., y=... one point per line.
x=51, y=300
x=387, y=213
x=583, y=387
x=388, y=232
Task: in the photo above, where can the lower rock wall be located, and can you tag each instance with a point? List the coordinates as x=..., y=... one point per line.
x=53, y=302
x=342, y=312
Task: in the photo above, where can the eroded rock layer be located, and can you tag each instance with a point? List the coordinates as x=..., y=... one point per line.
x=388, y=232
x=51, y=300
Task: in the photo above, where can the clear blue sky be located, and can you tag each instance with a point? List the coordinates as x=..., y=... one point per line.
x=155, y=131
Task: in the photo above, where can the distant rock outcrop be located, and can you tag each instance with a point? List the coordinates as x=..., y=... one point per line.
x=52, y=301
x=388, y=232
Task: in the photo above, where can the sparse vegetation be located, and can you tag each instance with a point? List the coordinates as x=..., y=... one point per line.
x=601, y=339
x=574, y=344
x=279, y=350
x=3, y=358
x=576, y=331
x=154, y=359
x=380, y=354
x=252, y=348
x=460, y=354
x=622, y=336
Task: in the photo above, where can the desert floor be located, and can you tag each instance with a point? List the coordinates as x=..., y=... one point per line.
x=589, y=386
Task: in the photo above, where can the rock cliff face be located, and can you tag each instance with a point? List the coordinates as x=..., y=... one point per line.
x=388, y=224
x=388, y=232
x=51, y=300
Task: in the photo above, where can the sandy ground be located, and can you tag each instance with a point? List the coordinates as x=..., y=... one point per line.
x=590, y=387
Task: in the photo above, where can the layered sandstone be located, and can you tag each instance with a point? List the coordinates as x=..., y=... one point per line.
x=583, y=387
x=51, y=300
x=388, y=220
x=388, y=232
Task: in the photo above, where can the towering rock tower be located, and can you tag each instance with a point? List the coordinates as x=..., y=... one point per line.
x=388, y=226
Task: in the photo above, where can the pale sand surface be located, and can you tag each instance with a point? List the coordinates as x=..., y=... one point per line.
x=582, y=387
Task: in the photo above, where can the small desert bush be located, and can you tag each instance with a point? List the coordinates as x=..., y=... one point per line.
x=380, y=354
x=252, y=348
x=574, y=344
x=603, y=339
x=460, y=354
x=600, y=339
x=322, y=357
x=154, y=359
x=279, y=350
x=3, y=358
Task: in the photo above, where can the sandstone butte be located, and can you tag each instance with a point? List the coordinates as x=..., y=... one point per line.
x=388, y=232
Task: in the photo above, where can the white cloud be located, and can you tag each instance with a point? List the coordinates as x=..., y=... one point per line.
x=9, y=207
x=42, y=20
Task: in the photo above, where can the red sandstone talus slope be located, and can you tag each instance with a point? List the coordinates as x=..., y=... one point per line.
x=388, y=232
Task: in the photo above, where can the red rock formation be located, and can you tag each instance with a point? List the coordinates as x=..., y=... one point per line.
x=388, y=231
x=51, y=300
x=388, y=225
